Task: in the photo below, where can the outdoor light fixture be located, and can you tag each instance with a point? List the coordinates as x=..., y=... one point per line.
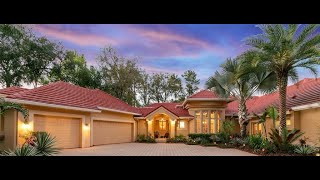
x=86, y=126
x=318, y=154
x=26, y=125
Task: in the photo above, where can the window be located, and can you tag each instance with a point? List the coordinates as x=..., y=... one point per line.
x=162, y=124
x=198, y=121
x=212, y=120
x=181, y=124
x=256, y=128
x=205, y=121
x=288, y=123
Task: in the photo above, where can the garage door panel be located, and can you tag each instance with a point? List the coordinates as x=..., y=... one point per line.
x=107, y=132
x=66, y=130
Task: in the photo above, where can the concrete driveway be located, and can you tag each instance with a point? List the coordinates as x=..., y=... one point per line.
x=157, y=149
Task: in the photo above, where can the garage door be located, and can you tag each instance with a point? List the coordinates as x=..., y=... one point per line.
x=107, y=132
x=66, y=130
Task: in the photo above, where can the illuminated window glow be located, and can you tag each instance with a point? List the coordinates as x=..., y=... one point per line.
x=181, y=124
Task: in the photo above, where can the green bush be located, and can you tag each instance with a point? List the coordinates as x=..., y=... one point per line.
x=284, y=142
x=149, y=139
x=237, y=142
x=222, y=137
x=178, y=139
x=204, y=141
x=141, y=138
x=305, y=150
x=200, y=135
x=256, y=142
x=227, y=127
x=24, y=150
x=37, y=144
x=191, y=142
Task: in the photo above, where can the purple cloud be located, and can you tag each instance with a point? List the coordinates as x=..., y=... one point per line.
x=81, y=39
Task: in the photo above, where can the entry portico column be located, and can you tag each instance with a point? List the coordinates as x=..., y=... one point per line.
x=201, y=122
x=173, y=128
x=209, y=121
x=216, y=122
x=195, y=122
x=149, y=127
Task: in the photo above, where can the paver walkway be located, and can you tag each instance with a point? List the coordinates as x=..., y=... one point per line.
x=157, y=149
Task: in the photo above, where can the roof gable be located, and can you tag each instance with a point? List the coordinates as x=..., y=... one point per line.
x=204, y=94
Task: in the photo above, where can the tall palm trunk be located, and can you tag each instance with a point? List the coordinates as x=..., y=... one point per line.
x=243, y=117
x=282, y=81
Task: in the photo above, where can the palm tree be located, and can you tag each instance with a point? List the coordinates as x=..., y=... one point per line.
x=283, y=49
x=241, y=82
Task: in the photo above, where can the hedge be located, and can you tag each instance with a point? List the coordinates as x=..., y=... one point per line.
x=200, y=135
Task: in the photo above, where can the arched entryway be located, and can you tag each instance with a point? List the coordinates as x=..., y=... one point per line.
x=161, y=126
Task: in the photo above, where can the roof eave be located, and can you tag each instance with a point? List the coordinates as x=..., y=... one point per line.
x=50, y=105
x=306, y=106
x=119, y=111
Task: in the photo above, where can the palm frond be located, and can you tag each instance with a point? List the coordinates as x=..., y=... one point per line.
x=293, y=75
x=45, y=144
x=24, y=150
x=307, y=31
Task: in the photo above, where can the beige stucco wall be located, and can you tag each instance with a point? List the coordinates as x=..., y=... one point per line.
x=10, y=130
x=294, y=118
x=310, y=124
x=183, y=131
x=191, y=126
x=142, y=126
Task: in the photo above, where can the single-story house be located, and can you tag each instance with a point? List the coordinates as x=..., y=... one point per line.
x=81, y=117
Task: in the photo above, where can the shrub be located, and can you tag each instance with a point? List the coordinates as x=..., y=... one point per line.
x=198, y=140
x=227, y=127
x=256, y=142
x=178, y=139
x=149, y=139
x=222, y=137
x=37, y=144
x=45, y=144
x=24, y=150
x=284, y=142
x=141, y=138
x=237, y=142
x=200, y=135
x=305, y=150
x=204, y=141
x=191, y=142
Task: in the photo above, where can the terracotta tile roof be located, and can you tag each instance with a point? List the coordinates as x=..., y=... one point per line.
x=172, y=107
x=204, y=94
x=306, y=91
x=62, y=93
x=12, y=90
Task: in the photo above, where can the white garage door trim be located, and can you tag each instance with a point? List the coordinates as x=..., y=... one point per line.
x=58, y=114
x=132, y=123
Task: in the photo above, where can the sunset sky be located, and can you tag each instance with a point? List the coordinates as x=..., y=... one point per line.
x=160, y=48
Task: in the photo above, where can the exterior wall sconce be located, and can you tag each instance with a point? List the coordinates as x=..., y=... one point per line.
x=86, y=126
x=26, y=126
